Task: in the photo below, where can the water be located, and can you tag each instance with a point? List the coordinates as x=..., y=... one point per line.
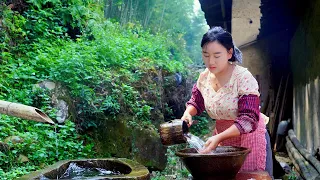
x=55, y=130
x=194, y=141
x=57, y=152
x=75, y=171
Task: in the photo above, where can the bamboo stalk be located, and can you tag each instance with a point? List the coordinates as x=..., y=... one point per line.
x=297, y=171
x=293, y=161
x=307, y=170
x=24, y=112
x=303, y=151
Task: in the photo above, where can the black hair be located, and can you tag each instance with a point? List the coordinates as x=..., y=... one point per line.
x=221, y=36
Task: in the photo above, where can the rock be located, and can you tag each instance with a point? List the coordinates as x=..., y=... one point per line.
x=113, y=138
x=46, y=85
x=13, y=139
x=149, y=150
x=60, y=99
x=23, y=158
x=116, y=138
x=62, y=113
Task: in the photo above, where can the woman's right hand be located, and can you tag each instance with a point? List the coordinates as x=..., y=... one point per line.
x=187, y=118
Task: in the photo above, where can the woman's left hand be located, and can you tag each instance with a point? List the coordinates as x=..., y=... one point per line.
x=211, y=144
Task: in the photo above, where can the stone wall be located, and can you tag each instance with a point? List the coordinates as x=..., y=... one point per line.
x=245, y=29
x=245, y=20
x=257, y=62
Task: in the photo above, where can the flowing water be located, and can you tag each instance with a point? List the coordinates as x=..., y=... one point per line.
x=194, y=141
x=75, y=171
x=55, y=130
x=57, y=152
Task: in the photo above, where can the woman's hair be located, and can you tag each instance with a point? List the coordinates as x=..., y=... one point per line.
x=221, y=36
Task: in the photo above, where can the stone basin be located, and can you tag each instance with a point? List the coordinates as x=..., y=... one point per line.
x=128, y=169
x=224, y=163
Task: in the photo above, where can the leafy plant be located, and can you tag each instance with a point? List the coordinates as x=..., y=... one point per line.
x=43, y=144
x=202, y=127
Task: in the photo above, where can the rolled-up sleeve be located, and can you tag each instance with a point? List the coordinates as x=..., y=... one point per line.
x=248, y=113
x=196, y=100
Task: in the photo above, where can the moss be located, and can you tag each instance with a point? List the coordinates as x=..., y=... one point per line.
x=148, y=149
x=113, y=137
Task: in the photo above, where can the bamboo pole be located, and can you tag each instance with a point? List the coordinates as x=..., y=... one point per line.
x=303, y=151
x=24, y=112
x=296, y=167
x=307, y=170
x=294, y=162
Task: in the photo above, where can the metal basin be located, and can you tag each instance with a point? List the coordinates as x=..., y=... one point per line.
x=223, y=163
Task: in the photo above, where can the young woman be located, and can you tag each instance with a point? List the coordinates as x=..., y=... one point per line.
x=230, y=95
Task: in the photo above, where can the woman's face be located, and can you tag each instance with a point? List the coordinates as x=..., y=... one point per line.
x=215, y=57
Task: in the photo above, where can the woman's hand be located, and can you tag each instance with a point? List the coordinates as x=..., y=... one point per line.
x=187, y=118
x=211, y=144
x=214, y=141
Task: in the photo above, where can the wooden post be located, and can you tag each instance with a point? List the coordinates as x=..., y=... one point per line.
x=273, y=130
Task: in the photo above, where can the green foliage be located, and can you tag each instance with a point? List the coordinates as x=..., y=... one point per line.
x=202, y=127
x=175, y=17
x=40, y=143
x=174, y=166
x=293, y=175
x=43, y=144
x=17, y=171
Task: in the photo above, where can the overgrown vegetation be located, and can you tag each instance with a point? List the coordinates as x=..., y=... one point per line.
x=108, y=68
x=42, y=144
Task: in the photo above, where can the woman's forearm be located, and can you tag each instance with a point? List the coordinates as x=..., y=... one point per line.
x=191, y=110
x=231, y=132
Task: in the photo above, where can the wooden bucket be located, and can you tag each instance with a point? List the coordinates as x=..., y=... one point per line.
x=172, y=132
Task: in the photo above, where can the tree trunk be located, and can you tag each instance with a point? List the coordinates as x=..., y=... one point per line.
x=164, y=8
x=105, y=8
x=130, y=11
x=110, y=9
x=135, y=11
x=146, y=14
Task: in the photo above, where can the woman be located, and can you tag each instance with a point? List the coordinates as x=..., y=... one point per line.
x=229, y=93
